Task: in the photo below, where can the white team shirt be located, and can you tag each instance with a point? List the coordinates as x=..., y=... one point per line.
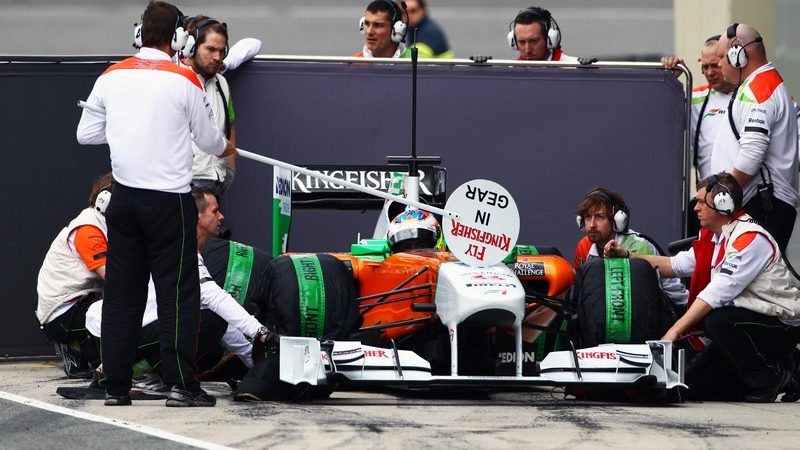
x=764, y=115
x=714, y=117
x=153, y=111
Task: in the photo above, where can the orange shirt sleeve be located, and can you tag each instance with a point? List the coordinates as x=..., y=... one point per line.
x=581, y=252
x=91, y=245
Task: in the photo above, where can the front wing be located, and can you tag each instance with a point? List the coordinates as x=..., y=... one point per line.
x=649, y=366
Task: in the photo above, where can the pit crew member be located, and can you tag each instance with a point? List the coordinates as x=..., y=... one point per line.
x=206, y=53
x=760, y=146
x=153, y=109
x=743, y=296
x=604, y=216
x=71, y=279
x=384, y=30
x=709, y=104
x=536, y=35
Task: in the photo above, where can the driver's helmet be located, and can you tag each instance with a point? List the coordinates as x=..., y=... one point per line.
x=411, y=230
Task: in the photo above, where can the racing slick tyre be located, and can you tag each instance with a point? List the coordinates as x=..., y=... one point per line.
x=311, y=295
x=619, y=301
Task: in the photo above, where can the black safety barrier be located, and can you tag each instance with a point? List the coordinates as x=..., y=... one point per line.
x=547, y=133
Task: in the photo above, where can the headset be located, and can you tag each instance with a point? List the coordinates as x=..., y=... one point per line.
x=621, y=216
x=398, y=26
x=179, y=37
x=102, y=200
x=723, y=200
x=190, y=48
x=737, y=55
x=549, y=25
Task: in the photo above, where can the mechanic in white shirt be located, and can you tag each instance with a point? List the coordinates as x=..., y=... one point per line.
x=760, y=146
x=153, y=111
x=746, y=300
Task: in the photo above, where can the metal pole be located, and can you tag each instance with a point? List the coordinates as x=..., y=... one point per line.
x=315, y=174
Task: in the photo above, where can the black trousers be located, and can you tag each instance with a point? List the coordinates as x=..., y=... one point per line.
x=151, y=232
x=148, y=349
x=749, y=351
x=209, y=348
x=71, y=327
x=779, y=222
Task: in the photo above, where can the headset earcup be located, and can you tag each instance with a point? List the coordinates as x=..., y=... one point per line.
x=620, y=224
x=742, y=58
x=179, y=39
x=723, y=203
x=512, y=39
x=361, y=24
x=189, y=49
x=137, y=35
x=737, y=56
x=579, y=222
x=553, y=38
x=398, y=31
x=102, y=200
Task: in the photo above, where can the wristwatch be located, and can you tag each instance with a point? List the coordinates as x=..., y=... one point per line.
x=262, y=331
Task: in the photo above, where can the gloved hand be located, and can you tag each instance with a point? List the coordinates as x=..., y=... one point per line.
x=586, y=60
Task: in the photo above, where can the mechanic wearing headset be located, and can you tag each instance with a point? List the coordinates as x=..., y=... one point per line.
x=744, y=297
x=535, y=33
x=384, y=30
x=604, y=216
x=204, y=53
x=153, y=110
x=71, y=279
x=759, y=147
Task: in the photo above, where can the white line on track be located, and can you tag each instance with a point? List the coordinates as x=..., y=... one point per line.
x=114, y=422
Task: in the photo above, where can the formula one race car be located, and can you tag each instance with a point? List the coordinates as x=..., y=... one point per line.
x=400, y=311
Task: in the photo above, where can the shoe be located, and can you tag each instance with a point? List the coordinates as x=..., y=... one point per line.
x=117, y=400
x=149, y=383
x=769, y=394
x=182, y=397
x=73, y=364
x=792, y=387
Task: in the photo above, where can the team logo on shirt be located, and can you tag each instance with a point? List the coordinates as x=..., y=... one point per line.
x=714, y=111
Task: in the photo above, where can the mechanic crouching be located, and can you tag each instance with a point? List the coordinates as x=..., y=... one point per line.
x=742, y=295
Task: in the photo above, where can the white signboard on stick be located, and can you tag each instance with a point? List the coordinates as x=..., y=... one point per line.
x=488, y=224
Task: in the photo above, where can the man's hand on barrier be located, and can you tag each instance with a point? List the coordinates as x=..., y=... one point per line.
x=671, y=63
x=586, y=60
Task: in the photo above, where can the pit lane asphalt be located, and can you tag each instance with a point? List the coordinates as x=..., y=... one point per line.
x=539, y=419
